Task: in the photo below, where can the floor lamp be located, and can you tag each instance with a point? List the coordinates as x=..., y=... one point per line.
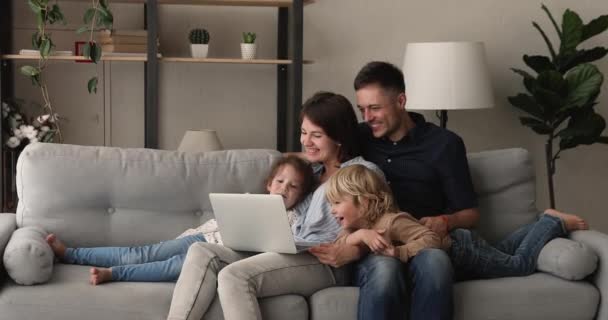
x=446, y=76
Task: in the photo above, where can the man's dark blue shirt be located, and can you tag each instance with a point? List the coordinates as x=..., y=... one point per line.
x=427, y=169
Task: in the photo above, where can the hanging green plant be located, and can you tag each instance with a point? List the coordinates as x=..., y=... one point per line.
x=560, y=99
x=98, y=15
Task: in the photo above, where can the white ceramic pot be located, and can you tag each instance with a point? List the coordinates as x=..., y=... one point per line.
x=248, y=50
x=199, y=50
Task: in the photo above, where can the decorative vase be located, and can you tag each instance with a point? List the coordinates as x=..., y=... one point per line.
x=248, y=50
x=199, y=50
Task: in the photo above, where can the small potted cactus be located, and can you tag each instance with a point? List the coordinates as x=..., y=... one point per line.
x=199, y=43
x=248, y=47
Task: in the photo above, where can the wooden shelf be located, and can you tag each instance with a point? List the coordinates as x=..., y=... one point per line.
x=161, y=59
x=243, y=3
x=72, y=58
x=228, y=60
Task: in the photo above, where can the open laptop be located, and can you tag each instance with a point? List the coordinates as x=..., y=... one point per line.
x=255, y=222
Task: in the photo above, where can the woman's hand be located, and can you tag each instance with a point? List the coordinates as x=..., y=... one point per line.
x=374, y=239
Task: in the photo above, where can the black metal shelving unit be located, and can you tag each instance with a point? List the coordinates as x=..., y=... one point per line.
x=289, y=79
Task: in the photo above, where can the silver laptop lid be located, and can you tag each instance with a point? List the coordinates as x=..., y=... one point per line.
x=253, y=222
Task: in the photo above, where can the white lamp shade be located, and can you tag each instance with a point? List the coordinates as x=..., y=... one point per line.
x=447, y=76
x=200, y=141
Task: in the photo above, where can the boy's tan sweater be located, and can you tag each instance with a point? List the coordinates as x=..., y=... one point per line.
x=405, y=233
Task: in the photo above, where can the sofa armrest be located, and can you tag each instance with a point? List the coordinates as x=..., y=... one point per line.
x=598, y=242
x=8, y=224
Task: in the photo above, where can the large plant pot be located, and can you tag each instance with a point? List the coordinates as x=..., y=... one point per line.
x=248, y=51
x=199, y=50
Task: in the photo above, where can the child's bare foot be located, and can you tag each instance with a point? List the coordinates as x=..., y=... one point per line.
x=57, y=246
x=100, y=275
x=571, y=221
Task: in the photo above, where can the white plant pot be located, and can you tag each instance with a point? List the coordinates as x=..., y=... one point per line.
x=199, y=50
x=248, y=50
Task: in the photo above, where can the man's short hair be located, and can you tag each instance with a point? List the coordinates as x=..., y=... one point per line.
x=384, y=74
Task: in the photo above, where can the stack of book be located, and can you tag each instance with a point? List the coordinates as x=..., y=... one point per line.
x=124, y=41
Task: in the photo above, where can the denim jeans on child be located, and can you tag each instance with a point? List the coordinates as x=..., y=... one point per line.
x=158, y=262
x=474, y=258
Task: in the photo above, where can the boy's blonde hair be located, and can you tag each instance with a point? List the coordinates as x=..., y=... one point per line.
x=358, y=182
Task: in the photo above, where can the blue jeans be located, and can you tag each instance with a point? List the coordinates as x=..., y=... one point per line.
x=382, y=281
x=151, y=263
x=382, y=289
x=430, y=281
x=514, y=256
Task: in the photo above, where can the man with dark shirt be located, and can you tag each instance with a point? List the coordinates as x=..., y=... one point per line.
x=427, y=170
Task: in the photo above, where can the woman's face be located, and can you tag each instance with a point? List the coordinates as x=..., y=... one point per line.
x=318, y=147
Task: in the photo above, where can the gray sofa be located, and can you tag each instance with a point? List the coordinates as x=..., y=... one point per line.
x=97, y=196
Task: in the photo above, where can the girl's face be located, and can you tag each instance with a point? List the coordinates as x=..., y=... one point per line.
x=348, y=214
x=318, y=147
x=288, y=183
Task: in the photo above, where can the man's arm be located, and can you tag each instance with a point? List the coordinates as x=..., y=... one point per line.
x=465, y=219
x=442, y=224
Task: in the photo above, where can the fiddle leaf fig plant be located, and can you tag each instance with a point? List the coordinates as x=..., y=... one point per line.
x=563, y=90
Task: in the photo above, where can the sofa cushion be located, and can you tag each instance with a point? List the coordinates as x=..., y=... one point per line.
x=68, y=295
x=28, y=258
x=567, y=259
x=538, y=296
x=504, y=182
x=99, y=196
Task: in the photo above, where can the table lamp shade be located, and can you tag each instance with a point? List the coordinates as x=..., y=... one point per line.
x=447, y=76
x=200, y=141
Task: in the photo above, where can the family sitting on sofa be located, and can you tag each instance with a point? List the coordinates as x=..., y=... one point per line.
x=391, y=200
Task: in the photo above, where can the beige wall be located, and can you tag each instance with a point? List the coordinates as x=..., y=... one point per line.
x=340, y=36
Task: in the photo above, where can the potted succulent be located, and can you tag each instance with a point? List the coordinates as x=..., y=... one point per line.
x=248, y=47
x=199, y=43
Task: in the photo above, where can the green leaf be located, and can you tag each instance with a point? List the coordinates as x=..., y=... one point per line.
x=82, y=29
x=584, y=82
x=595, y=27
x=547, y=41
x=584, y=127
x=572, y=32
x=55, y=15
x=92, y=85
x=45, y=48
x=529, y=80
x=559, y=32
x=106, y=18
x=528, y=104
x=538, y=63
x=36, y=40
x=34, y=5
x=536, y=125
x=95, y=52
x=30, y=71
x=551, y=80
x=550, y=101
x=581, y=56
x=86, y=50
x=88, y=15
